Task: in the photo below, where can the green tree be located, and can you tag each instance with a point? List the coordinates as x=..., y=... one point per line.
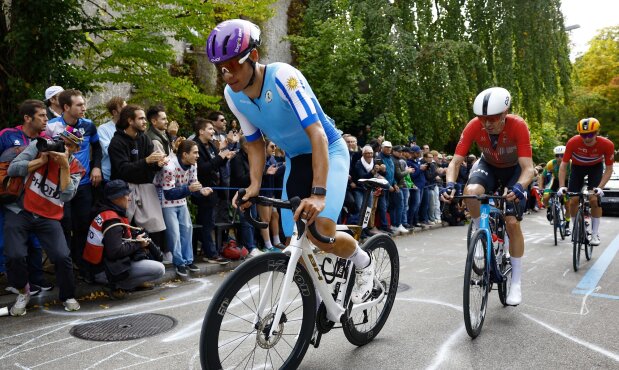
x=116, y=41
x=37, y=39
x=426, y=60
x=597, y=83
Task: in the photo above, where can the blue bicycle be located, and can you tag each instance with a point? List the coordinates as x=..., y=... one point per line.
x=487, y=262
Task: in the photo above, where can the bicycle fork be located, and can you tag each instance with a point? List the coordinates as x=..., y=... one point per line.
x=295, y=254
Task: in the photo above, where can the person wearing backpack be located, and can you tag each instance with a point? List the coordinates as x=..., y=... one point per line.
x=52, y=176
x=12, y=142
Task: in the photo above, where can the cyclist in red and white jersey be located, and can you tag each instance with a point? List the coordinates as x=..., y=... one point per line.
x=506, y=158
x=588, y=152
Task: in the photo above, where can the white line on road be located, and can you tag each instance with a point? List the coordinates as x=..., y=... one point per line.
x=591, y=346
x=566, y=271
x=532, y=268
x=193, y=360
x=583, y=305
x=32, y=340
x=444, y=350
x=114, y=355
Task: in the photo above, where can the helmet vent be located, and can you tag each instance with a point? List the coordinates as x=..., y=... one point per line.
x=224, y=49
x=213, y=45
x=485, y=103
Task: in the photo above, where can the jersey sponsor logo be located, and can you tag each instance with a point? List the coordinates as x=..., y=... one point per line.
x=268, y=96
x=16, y=143
x=292, y=83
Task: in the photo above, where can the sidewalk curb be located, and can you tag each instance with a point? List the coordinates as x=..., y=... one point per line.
x=85, y=291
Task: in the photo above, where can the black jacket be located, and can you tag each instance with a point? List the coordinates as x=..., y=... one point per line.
x=117, y=253
x=128, y=158
x=239, y=171
x=209, y=163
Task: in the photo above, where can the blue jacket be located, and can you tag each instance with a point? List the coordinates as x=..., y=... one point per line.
x=388, y=161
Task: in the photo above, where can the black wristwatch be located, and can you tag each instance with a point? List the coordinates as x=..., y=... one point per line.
x=316, y=190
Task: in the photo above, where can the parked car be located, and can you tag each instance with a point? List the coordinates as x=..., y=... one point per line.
x=610, y=200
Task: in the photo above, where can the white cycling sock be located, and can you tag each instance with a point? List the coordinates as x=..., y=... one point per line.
x=276, y=240
x=360, y=258
x=595, y=225
x=516, y=269
x=267, y=244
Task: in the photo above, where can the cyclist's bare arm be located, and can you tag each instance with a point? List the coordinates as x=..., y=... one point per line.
x=256, y=152
x=454, y=168
x=608, y=172
x=562, y=173
x=527, y=171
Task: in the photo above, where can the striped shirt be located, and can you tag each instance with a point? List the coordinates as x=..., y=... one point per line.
x=582, y=155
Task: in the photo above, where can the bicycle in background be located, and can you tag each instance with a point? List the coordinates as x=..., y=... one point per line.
x=273, y=306
x=581, y=234
x=558, y=216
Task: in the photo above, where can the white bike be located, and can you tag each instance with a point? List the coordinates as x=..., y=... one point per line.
x=271, y=308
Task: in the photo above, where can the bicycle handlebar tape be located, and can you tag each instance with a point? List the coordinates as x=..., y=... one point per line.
x=321, y=238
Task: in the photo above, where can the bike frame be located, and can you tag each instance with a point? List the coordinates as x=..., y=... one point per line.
x=301, y=248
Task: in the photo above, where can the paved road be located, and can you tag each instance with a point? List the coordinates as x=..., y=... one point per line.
x=557, y=326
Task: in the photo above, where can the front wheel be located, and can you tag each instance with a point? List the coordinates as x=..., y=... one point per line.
x=577, y=239
x=556, y=222
x=236, y=330
x=363, y=327
x=476, y=284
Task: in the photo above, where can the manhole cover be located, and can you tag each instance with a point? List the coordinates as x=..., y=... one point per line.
x=403, y=287
x=118, y=328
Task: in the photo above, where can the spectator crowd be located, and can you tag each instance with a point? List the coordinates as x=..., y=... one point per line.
x=112, y=204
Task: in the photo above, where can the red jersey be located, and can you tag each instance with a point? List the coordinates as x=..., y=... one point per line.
x=582, y=155
x=513, y=142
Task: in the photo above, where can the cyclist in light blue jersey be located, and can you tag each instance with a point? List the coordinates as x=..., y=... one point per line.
x=275, y=100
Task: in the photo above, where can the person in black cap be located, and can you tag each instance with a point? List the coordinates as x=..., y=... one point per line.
x=127, y=261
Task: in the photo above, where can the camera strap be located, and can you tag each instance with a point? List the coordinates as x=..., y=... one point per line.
x=126, y=225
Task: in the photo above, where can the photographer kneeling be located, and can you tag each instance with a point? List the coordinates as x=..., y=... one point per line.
x=128, y=262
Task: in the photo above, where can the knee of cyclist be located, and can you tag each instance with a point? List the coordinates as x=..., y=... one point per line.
x=511, y=222
x=327, y=248
x=473, y=189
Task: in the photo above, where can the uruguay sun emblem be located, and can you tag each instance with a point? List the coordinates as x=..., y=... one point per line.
x=292, y=83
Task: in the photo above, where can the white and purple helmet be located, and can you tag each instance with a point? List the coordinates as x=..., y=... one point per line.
x=232, y=39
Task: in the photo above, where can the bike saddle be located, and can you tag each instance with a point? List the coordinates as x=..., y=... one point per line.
x=375, y=183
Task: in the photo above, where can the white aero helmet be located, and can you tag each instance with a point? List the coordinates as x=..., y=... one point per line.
x=559, y=149
x=492, y=101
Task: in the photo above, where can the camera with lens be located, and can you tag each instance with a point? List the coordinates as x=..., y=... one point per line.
x=45, y=145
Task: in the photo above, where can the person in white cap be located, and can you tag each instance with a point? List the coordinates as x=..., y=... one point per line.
x=51, y=100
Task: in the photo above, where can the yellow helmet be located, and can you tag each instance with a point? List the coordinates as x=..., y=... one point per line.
x=588, y=125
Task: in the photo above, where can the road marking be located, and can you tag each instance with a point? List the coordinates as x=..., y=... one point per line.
x=591, y=346
x=114, y=354
x=444, y=350
x=589, y=282
x=537, y=260
x=32, y=340
x=566, y=271
x=532, y=268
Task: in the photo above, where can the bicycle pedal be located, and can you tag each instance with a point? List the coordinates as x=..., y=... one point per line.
x=315, y=341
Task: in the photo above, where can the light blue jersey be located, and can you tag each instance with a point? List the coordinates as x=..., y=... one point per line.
x=286, y=106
